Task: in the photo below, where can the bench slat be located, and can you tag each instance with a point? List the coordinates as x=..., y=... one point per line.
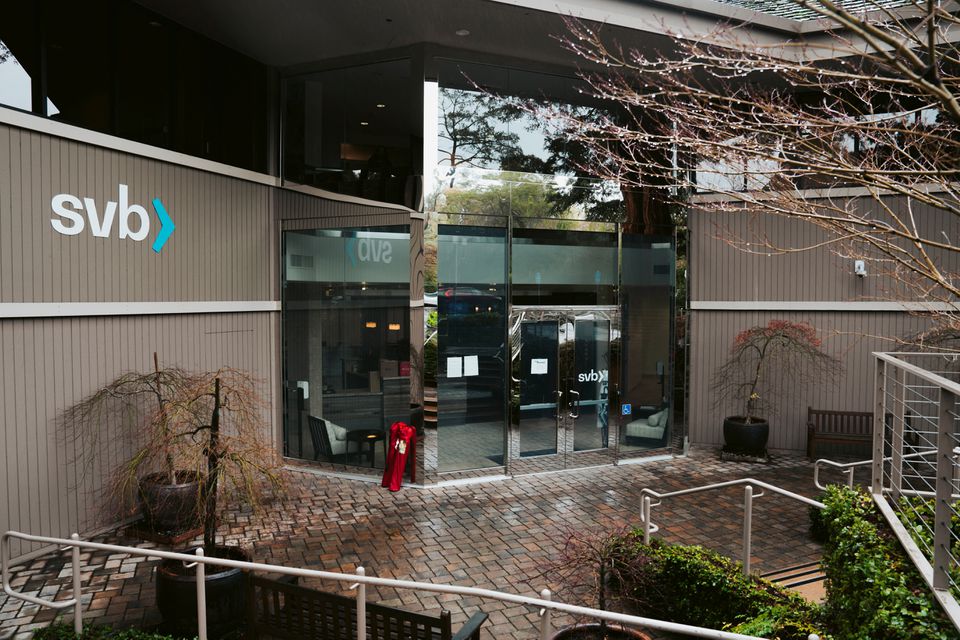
x=282, y=610
x=837, y=427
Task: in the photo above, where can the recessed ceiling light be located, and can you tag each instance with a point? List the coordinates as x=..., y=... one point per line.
x=380, y=105
x=364, y=123
x=462, y=32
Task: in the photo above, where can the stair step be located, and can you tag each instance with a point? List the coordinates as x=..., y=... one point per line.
x=805, y=579
x=800, y=583
x=797, y=575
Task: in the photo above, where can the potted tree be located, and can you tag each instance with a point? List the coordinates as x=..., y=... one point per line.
x=762, y=361
x=195, y=435
x=586, y=570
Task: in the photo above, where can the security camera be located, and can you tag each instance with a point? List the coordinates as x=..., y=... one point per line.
x=859, y=268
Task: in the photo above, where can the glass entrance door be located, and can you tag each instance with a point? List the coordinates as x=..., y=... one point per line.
x=563, y=365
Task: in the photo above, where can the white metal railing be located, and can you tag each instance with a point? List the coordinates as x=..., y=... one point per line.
x=849, y=468
x=748, y=498
x=358, y=580
x=916, y=443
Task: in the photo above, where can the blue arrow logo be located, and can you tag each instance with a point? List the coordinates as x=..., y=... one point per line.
x=166, y=226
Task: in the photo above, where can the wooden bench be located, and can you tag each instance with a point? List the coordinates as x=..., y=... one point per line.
x=282, y=609
x=837, y=427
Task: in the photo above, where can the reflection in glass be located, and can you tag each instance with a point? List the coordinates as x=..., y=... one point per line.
x=563, y=267
x=494, y=158
x=540, y=399
x=471, y=305
x=591, y=368
x=346, y=342
x=648, y=281
x=350, y=131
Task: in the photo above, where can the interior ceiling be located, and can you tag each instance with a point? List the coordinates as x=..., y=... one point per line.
x=284, y=33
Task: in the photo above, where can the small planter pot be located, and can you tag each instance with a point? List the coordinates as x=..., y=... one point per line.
x=593, y=631
x=741, y=437
x=226, y=592
x=170, y=508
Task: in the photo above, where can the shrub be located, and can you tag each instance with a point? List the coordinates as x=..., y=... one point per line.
x=818, y=525
x=693, y=585
x=64, y=631
x=873, y=590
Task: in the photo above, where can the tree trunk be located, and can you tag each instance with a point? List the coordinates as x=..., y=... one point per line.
x=213, y=473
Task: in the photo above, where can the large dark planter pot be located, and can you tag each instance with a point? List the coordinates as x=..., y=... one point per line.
x=170, y=508
x=593, y=631
x=226, y=592
x=741, y=437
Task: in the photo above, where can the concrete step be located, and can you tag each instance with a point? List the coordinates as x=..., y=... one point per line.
x=806, y=579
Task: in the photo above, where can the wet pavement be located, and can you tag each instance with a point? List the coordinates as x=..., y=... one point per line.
x=494, y=535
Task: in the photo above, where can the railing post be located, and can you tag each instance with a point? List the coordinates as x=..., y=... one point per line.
x=77, y=608
x=944, y=488
x=361, y=607
x=879, y=402
x=849, y=473
x=747, y=526
x=897, y=429
x=545, y=615
x=201, y=596
x=645, y=515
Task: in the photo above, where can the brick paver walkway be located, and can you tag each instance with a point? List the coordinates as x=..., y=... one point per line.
x=494, y=535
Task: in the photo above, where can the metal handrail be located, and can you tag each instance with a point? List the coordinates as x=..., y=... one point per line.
x=748, y=497
x=849, y=468
x=358, y=581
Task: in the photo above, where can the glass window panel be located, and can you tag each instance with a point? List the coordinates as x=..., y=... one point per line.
x=16, y=86
x=351, y=131
x=591, y=367
x=494, y=158
x=471, y=308
x=346, y=342
x=648, y=290
x=539, y=365
x=80, y=70
x=563, y=267
x=19, y=55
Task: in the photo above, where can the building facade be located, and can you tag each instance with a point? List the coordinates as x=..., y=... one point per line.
x=352, y=204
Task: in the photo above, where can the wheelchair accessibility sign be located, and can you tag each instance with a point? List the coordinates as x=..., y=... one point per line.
x=626, y=409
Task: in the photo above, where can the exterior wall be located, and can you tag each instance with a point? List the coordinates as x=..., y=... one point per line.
x=851, y=336
x=731, y=290
x=78, y=310
x=47, y=364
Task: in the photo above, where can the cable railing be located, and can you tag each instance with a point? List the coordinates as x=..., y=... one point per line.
x=647, y=495
x=357, y=582
x=915, y=468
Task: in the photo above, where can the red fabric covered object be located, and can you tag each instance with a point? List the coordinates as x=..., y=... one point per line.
x=402, y=447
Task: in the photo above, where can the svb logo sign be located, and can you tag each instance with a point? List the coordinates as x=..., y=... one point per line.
x=369, y=250
x=594, y=376
x=133, y=223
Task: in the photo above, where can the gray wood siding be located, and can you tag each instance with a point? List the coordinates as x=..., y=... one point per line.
x=217, y=252
x=48, y=364
x=850, y=336
x=718, y=271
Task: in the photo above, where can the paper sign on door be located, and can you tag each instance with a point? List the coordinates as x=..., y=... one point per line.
x=454, y=367
x=471, y=366
x=538, y=366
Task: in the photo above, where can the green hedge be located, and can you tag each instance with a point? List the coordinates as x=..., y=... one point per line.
x=693, y=585
x=873, y=590
x=64, y=631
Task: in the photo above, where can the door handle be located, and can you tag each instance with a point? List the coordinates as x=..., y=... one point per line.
x=559, y=395
x=577, y=404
